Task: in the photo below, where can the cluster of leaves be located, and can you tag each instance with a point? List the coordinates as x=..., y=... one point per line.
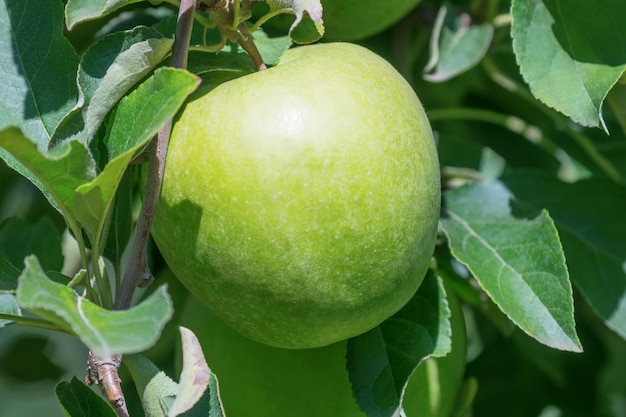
x=521, y=97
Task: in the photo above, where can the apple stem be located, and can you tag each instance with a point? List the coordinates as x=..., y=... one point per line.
x=247, y=43
x=104, y=371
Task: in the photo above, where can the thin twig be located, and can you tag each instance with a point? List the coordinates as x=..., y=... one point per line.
x=138, y=272
x=104, y=371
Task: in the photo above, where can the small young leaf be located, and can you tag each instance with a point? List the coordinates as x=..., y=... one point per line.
x=19, y=238
x=456, y=45
x=194, y=378
x=380, y=361
x=136, y=120
x=308, y=26
x=570, y=53
x=8, y=305
x=78, y=400
x=104, y=332
x=107, y=71
x=197, y=395
x=78, y=11
x=590, y=218
x=57, y=173
x=38, y=69
x=518, y=262
x=156, y=390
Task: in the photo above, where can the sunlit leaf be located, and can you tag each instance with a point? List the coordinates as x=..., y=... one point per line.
x=135, y=122
x=156, y=390
x=519, y=262
x=570, y=52
x=194, y=391
x=308, y=26
x=197, y=394
x=57, y=173
x=380, y=361
x=8, y=305
x=104, y=332
x=38, y=71
x=590, y=218
x=107, y=71
x=78, y=11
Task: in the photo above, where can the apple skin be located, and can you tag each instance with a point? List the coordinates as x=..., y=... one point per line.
x=300, y=203
x=263, y=381
x=352, y=20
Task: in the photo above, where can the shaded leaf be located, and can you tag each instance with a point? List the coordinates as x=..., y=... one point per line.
x=570, y=53
x=107, y=71
x=8, y=275
x=78, y=11
x=104, y=332
x=19, y=238
x=517, y=261
x=135, y=122
x=456, y=44
x=57, y=173
x=78, y=400
x=120, y=225
x=590, y=218
x=380, y=361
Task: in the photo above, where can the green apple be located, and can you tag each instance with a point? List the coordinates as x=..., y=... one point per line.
x=351, y=20
x=301, y=203
x=263, y=381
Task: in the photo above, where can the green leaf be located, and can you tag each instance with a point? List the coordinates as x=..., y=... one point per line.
x=19, y=238
x=8, y=305
x=617, y=101
x=78, y=400
x=8, y=275
x=456, y=45
x=38, y=72
x=78, y=11
x=570, y=53
x=38, y=68
x=135, y=122
x=107, y=71
x=196, y=395
x=308, y=26
x=590, y=218
x=104, y=332
x=57, y=173
x=139, y=116
x=517, y=261
x=380, y=361
x=195, y=376
x=120, y=225
x=156, y=390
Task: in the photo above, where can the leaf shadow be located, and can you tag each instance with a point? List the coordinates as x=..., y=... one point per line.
x=590, y=32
